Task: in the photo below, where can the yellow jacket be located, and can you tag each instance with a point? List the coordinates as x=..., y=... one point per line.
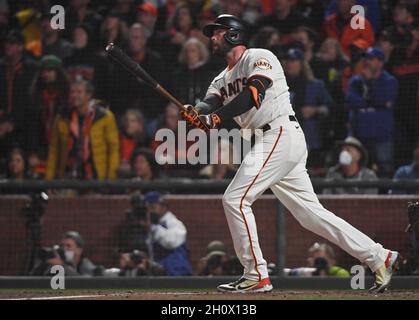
x=104, y=141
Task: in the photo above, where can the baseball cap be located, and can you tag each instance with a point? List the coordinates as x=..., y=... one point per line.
x=375, y=52
x=51, y=62
x=78, y=239
x=153, y=197
x=354, y=142
x=149, y=8
x=294, y=54
x=360, y=43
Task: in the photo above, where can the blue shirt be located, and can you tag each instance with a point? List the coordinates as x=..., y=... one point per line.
x=371, y=104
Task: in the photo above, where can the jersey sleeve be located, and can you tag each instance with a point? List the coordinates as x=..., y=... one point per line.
x=262, y=63
x=213, y=89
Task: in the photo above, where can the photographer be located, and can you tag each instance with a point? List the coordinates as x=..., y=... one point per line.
x=137, y=263
x=321, y=262
x=168, y=236
x=133, y=233
x=69, y=255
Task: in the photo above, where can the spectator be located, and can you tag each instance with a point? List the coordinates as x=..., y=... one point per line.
x=338, y=26
x=284, y=18
x=406, y=69
x=85, y=64
x=352, y=166
x=192, y=78
x=114, y=30
x=226, y=163
x=181, y=26
x=50, y=95
x=173, y=155
x=147, y=17
x=312, y=12
x=322, y=257
x=127, y=91
x=51, y=42
x=403, y=20
x=144, y=166
x=212, y=263
x=267, y=38
x=85, y=142
x=78, y=12
x=138, y=263
x=125, y=9
x=311, y=102
x=410, y=171
x=16, y=75
x=133, y=135
x=371, y=99
x=70, y=255
x=17, y=165
x=371, y=8
x=168, y=235
x=358, y=51
x=328, y=65
x=133, y=232
x=307, y=38
x=386, y=42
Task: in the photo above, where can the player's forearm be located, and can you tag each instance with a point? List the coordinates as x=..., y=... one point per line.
x=240, y=104
x=209, y=104
x=251, y=96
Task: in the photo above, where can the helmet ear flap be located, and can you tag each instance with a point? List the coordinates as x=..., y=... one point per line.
x=233, y=37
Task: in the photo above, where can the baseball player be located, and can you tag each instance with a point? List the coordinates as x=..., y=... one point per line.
x=253, y=90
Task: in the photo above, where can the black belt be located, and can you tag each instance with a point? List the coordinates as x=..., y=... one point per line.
x=267, y=127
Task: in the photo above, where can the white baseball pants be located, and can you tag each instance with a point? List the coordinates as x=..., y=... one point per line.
x=278, y=161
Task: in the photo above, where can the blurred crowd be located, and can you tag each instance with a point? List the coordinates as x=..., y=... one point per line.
x=66, y=111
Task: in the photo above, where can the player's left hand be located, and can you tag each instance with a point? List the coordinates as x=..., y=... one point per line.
x=208, y=121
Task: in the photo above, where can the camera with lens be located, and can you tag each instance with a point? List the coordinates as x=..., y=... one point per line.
x=47, y=253
x=137, y=256
x=321, y=265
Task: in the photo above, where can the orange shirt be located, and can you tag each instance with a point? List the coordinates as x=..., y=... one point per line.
x=349, y=35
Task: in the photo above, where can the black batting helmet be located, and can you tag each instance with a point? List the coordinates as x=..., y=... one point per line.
x=236, y=29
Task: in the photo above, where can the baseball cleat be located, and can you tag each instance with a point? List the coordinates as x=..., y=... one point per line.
x=383, y=275
x=244, y=285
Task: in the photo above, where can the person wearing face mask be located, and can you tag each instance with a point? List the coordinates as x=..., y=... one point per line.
x=70, y=255
x=168, y=236
x=353, y=159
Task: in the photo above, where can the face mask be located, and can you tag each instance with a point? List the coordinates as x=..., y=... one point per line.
x=69, y=255
x=345, y=158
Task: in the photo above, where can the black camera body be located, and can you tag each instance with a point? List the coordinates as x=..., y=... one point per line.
x=47, y=253
x=137, y=256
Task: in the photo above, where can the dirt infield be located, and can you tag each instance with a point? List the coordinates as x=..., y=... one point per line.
x=33, y=294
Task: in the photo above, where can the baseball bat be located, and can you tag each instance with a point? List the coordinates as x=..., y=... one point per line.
x=134, y=68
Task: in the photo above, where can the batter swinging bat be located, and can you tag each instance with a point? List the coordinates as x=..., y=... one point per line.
x=134, y=68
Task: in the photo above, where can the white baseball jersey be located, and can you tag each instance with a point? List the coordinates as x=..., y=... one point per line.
x=230, y=82
x=281, y=154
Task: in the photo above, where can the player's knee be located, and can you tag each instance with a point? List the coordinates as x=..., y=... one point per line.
x=230, y=200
